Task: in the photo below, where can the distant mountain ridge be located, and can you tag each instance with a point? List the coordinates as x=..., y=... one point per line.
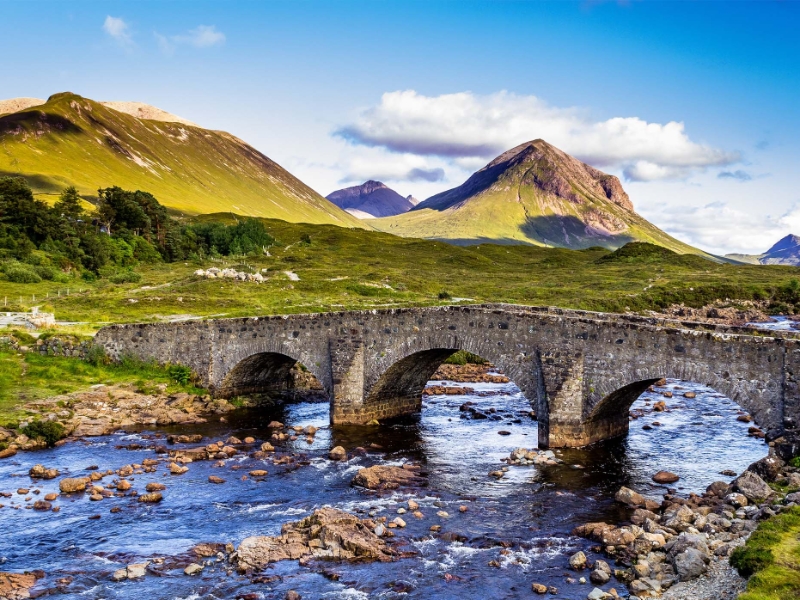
x=533, y=194
x=71, y=140
x=785, y=251
x=372, y=199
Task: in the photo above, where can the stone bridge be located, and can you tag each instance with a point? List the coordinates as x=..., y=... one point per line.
x=580, y=370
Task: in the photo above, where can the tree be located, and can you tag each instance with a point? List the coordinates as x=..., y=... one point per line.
x=69, y=205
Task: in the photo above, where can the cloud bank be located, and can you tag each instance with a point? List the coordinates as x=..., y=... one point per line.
x=466, y=126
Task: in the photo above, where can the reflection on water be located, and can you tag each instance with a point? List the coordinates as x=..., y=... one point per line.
x=521, y=521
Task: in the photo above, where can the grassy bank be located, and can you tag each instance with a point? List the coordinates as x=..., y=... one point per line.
x=28, y=377
x=771, y=558
x=350, y=269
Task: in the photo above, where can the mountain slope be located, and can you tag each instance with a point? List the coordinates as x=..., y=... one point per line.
x=372, y=198
x=71, y=140
x=785, y=251
x=533, y=194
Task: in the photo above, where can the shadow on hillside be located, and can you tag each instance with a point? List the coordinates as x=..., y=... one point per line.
x=40, y=184
x=35, y=121
x=569, y=231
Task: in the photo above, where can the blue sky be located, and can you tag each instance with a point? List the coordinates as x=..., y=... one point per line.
x=693, y=104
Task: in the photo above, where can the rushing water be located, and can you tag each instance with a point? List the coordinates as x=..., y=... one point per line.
x=521, y=521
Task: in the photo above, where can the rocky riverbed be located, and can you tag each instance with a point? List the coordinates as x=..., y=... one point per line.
x=270, y=502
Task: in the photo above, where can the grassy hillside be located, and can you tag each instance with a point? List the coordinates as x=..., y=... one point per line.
x=533, y=194
x=72, y=140
x=352, y=269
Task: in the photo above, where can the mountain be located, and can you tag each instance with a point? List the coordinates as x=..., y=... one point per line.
x=785, y=252
x=70, y=140
x=371, y=199
x=533, y=194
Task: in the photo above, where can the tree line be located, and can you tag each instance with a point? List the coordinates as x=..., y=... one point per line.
x=124, y=228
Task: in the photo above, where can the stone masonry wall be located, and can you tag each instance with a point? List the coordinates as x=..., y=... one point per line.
x=569, y=364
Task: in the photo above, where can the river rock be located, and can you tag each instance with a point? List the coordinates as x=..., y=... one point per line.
x=275, y=425
x=155, y=487
x=577, y=561
x=8, y=453
x=736, y=500
x=193, y=569
x=628, y=496
x=597, y=594
x=123, y=485
x=380, y=477
x=752, y=486
x=215, y=479
x=258, y=473
x=539, y=588
x=599, y=577
x=768, y=468
x=15, y=586
x=267, y=447
x=690, y=564
x=719, y=489
x=72, y=484
x=134, y=571
x=41, y=472
x=689, y=395
x=176, y=469
x=793, y=480
x=42, y=505
x=151, y=497
x=184, y=439
x=793, y=497
x=51, y=496
x=327, y=533
x=606, y=534
x=665, y=477
x=338, y=453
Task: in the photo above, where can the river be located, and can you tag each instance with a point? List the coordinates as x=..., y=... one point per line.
x=521, y=522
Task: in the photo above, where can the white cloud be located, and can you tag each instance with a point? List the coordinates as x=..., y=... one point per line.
x=466, y=126
x=203, y=36
x=118, y=30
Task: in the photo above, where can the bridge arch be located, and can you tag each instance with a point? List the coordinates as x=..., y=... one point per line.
x=268, y=373
x=395, y=387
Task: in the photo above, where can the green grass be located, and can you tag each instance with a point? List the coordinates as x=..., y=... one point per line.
x=353, y=269
x=771, y=558
x=83, y=143
x=28, y=377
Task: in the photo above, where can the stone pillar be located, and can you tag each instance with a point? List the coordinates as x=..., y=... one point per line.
x=570, y=414
x=789, y=445
x=347, y=374
x=560, y=409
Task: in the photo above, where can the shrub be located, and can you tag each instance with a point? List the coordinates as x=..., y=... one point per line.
x=179, y=373
x=126, y=277
x=462, y=357
x=88, y=277
x=96, y=355
x=19, y=273
x=45, y=272
x=444, y=295
x=49, y=431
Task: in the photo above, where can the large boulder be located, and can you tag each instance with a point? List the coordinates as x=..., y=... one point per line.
x=628, y=496
x=327, y=533
x=71, y=485
x=768, y=468
x=15, y=586
x=606, y=534
x=690, y=564
x=752, y=486
x=382, y=477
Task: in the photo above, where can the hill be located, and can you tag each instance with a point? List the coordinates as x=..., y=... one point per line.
x=371, y=199
x=70, y=140
x=786, y=251
x=533, y=194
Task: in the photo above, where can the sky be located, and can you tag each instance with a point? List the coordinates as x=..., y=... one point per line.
x=694, y=105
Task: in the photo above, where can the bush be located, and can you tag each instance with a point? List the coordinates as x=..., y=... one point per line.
x=19, y=273
x=45, y=272
x=96, y=355
x=49, y=431
x=462, y=357
x=125, y=277
x=179, y=373
x=444, y=295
